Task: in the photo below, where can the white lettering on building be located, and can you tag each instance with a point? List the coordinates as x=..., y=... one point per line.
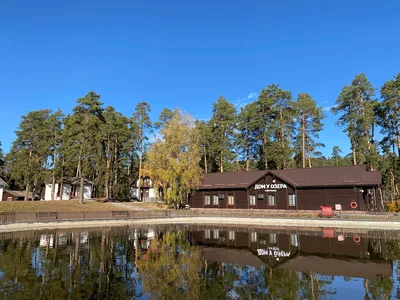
x=274, y=252
x=275, y=186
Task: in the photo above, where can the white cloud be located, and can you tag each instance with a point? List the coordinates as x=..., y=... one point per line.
x=328, y=108
x=252, y=96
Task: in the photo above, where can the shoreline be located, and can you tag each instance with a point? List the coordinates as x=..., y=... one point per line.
x=267, y=222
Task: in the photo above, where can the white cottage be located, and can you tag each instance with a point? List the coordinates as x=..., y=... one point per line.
x=2, y=186
x=147, y=191
x=70, y=189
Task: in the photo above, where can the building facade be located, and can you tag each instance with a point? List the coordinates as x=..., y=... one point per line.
x=344, y=188
x=70, y=189
x=2, y=187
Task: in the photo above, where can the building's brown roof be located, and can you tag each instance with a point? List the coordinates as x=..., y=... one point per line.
x=311, y=177
x=2, y=182
x=337, y=267
x=330, y=176
x=239, y=257
x=19, y=193
x=231, y=179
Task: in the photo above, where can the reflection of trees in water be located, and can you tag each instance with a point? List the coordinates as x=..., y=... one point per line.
x=105, y=264
x=170, y=269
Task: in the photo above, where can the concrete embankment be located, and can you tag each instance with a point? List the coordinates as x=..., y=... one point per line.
x=331, y=223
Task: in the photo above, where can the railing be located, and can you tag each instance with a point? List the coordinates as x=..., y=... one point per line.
x=24, y=217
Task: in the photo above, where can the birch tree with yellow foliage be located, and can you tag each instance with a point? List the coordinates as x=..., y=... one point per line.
x=173, y=160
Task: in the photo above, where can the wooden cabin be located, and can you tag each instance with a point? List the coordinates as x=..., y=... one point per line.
x=345, y=187
x=9, y=195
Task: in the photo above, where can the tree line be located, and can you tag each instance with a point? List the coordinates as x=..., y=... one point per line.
x=276, y=131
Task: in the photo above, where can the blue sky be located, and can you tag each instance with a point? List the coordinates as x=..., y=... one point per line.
x=184, y=54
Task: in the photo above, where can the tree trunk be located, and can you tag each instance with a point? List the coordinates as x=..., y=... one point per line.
x=247, y=154
x=81, y=189
x=53, y=187
x=27, y=192
x=353, y=149
x=308, y=153
x=140, y=169
x=221, y=165
x=115, y=168
x=53, y=183
x=205, y=159
x=265, y=152
x=303, y=141
x=108, y=166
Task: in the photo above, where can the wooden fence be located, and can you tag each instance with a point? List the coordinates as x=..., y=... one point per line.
x=24, y=217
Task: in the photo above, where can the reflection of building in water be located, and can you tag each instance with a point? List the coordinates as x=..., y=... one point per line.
x=142, y=238
x=342, y=256
x=61, y=238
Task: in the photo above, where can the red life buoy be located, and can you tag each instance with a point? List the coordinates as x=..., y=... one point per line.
x=353, y=204
x=356, y=239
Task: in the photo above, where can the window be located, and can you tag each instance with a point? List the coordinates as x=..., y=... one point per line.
x=207, y=200
x=252, y=199
x=216, y=234
x=292, y=200
x=215, y=200
x=207, y=234
x=271, y=200
x=231, y=200
x=253, y=237
x=231, y=235
x=260, y=196
x=272, y=238
x=294, y=240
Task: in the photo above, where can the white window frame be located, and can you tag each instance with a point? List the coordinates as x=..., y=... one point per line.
x=215, y=234
x=252, y=200
x=207, y=199
x=292, y=200
x=272, y=238
x=207, y=234
x=231, y=235
x=271, y=196
x=294, y=239
x=215, y=200
x=253, y=237
x=231, y=200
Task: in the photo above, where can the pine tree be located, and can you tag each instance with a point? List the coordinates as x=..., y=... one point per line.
x=55, y=127
x=277, y=113
x=356, y=104
x=310, y=118
x=222, y=125
x=336, y=154
x=143, y=125
x=248, y=133
x=30, y=151
x=81, y=136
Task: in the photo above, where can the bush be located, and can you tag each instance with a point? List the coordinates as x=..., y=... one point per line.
x=393, y=206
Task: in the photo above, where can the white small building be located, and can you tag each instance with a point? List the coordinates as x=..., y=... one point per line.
x=70, y=189
x=147, y=191
x=2, y=186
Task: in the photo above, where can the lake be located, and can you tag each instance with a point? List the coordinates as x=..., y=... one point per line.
x=200, y=262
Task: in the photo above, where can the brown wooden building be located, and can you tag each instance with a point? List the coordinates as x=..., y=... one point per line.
x=352, y=187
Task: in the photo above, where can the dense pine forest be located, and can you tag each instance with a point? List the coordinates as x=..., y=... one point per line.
x=276, y=131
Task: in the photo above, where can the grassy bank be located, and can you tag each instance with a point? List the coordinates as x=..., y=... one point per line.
x=73, y=206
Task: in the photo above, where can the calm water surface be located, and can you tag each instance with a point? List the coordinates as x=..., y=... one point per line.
x=201, y=262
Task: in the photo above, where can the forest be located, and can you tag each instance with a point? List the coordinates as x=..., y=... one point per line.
x=276, y=131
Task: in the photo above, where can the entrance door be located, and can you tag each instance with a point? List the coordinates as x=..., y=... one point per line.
x=145, y=194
